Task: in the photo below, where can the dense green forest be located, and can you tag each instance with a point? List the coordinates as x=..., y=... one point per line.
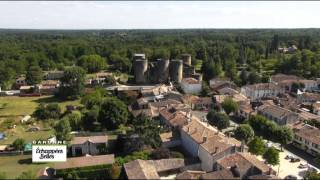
x=244, y=55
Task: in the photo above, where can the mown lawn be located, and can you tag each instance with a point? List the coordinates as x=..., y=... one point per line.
x=21, y=132
x=13, y=166
x=21, y=106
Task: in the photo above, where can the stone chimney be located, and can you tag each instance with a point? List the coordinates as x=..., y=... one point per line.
x=204, y=139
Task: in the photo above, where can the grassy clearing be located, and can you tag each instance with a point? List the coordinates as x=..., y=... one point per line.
x=21, y=132
x=20, y=106
x=13, y=166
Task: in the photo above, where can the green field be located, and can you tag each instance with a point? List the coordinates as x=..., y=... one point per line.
x=21, y=132
x=21, y=106
x=13, y=166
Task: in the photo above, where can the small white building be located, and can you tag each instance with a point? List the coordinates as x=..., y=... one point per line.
x=88, y=145
x=191, y=85
x=261, y=90
x=307, y=138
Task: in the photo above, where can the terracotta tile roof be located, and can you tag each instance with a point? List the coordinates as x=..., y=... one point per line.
x=283, y=77
x=149, y=169
x=175, y=118
x=140, y=169
x=221, y=174
x=93, y=139
x=208, y=137
x=277, y=111
x=50, y=82
x=309, y=133
x=190, y=81
x=244, y=162
x=192, y=99
x=84, y=161
x=263, y=86
x=190, y=175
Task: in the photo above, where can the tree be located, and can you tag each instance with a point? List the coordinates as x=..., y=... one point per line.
x=230, y=106
x=113, y=112
x=160, y=153
x=148, y=129
x=34, y=75
x=256, y=146
x=94, y=98
x=295, y=86
x=272, y=156
x=254, y=78
x=19, y=144
x=220, y=120
x=75, y=120
x=244, y=132
x=62, y=130
x=72, y=83
x=284, y=135
x=92, y=63
x=50, y=111
x=205, y=89
x=312, y=175
x=90, y=119
x=244, y=76
x=115, y=171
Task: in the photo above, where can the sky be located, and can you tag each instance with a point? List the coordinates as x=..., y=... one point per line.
x=158, y=14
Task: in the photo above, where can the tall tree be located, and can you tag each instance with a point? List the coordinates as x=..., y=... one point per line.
x=62, y=130
x=92, y=63
x=229, y=106
x=272, y=156
x=220, y=120
x=34, y=75
x=244, y=132
x=72, y=83
x=256, y=146
x=113, y=112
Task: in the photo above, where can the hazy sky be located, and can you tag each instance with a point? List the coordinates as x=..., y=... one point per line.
x=164, y=14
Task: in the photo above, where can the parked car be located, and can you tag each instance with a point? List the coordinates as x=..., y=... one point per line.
x=302, y=166
x=291, y=177
x=293, y=160
x=288, y=157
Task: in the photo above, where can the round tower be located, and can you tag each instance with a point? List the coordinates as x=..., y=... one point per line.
x=176, y=70
x=186, y=59
x=162, y=70
x=140, y=70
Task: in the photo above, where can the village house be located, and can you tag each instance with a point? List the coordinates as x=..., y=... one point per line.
x=91, y=145
x=244, y=165
x=285, y=81
x=204, y=141
x=245, y=109
x=261, y=90
x=278, y=114
x=316, y=108
x=307, y=138
x=49, y=87
x=20, y=81
x=217, y=84
x=191, y=85
x=308, y=98
x=198, y=103
x=153, y=169
x=53, y=75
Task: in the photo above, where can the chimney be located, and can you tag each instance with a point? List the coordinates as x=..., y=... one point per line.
x=204, y=139
x=242, y=146
x=216, y=149
x=270, y=172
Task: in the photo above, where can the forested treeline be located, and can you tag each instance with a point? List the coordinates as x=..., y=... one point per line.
x=222, y=52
